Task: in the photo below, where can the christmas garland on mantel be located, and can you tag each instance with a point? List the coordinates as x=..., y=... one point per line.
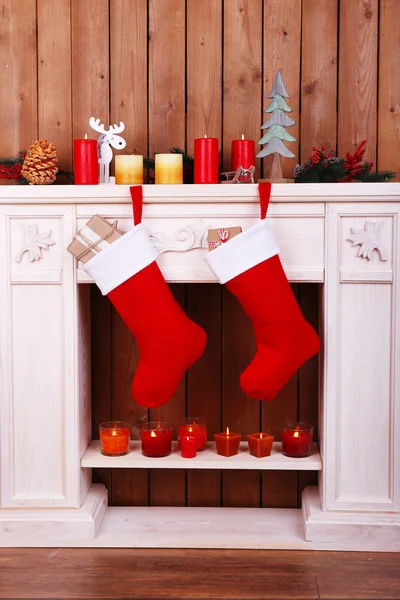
x=325, y=167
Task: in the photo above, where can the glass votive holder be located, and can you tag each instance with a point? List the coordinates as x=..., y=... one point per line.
x=156, y=439
x=260, y=444
x=297, y=440
x=196, y=427
x=114, y=438
x=227, y=442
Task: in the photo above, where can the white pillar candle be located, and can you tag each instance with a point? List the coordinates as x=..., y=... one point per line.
x=128, y=169
x=169, y=168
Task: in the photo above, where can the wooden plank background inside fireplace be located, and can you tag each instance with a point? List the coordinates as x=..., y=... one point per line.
x=212, y=390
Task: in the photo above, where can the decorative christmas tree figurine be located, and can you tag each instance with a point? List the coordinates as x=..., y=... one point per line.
x=275, y=125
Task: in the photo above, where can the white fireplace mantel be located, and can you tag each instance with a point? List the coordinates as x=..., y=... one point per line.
x=343, y=236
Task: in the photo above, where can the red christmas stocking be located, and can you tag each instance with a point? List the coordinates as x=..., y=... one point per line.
x=169, y=341
x=250, y=267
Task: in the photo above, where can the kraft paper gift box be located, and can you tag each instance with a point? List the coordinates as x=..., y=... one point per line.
x=216, y=237
x=97, y=234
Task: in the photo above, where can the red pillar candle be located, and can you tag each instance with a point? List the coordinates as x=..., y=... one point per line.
x=196, y=427
x=206, y=160
x=260, y=444
x=297, y=440
x=86, y=166
x=242, y=154
x=227, y=442
x=188, y=446
x=156, y=439
x=114, y=438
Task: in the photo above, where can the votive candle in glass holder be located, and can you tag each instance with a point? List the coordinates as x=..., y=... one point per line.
x=168, y=168
x=197, y=427
x=114, y=438
x=128, y=169
x=297, y=439
x=227, y=442
x=260, y=444
x=188, y=446
x=156, y=439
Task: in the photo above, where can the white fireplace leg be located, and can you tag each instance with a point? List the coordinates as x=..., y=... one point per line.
x=359, y=491
x=45, y=371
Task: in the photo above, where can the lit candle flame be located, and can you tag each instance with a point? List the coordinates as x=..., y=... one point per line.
x=153, y=434
x=205, y=135
x=114, y=432
x=85, y=136
x=190, y=429
x=227, y=431
x=261, y=435
x=242, y=136
x=296, y=434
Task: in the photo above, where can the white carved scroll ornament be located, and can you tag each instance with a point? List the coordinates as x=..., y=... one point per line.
x=368, y=240
x=183, y=239
x=34, y=242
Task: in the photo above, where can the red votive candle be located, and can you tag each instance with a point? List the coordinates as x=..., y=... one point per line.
x=242, y=154
x=86, y=166
x=260, y=444
x=188, y=446
x=206, y=160
x=297, y=440
x=114, y=438
x=194, y=427
x=156, y=439
x=227, y=442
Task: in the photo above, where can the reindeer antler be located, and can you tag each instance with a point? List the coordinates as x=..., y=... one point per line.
x=117, y=128
x=95, y=124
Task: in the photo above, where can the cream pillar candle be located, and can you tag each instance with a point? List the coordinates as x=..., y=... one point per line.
x=128, y=169
x=169, y=168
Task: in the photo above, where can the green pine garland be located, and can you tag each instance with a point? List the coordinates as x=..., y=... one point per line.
x=327, y=168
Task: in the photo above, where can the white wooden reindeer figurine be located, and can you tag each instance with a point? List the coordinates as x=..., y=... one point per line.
x=107, y=139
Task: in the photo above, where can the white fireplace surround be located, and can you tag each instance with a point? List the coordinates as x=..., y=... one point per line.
x=343, y=236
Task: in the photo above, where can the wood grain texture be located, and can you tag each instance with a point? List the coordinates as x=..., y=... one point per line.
x=168, y=488
x=204, y=70
x=318, y=75
x=308, y=377
x=166, y=75
x=18, y=90
x=282, y=30
x=90, y=65
x=54, y=77
x=100, y=328
x=204, y=386
x=141, y=573
x=280, y=489
x=129, y=487
x=128, y=60
x=239, y=412
x=358, y=53
x=242, y=73
x=389, y=87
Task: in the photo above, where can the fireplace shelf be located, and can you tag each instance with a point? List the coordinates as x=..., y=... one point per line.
x=208, y=459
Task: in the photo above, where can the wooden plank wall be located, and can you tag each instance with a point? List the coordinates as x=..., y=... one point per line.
x=174, y=70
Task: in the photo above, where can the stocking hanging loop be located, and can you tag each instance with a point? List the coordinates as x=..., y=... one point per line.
x=137, y=203
x=264, y=190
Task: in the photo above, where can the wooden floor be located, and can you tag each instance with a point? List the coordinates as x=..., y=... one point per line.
x=247, y=574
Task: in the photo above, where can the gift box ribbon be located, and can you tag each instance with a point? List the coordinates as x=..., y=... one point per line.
x=223, y=235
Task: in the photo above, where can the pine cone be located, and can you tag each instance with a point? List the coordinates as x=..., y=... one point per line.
x=40, y=164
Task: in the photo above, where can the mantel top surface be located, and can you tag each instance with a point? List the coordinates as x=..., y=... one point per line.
x=281, y=192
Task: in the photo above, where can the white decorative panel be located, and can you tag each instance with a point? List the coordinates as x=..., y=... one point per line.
x=38, y=403
x=36, y=251
x=364, y=395
x=183, y=241
x=371, y=258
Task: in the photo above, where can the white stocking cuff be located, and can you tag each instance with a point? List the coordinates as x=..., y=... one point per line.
x=249, y=248
x=123, y=258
